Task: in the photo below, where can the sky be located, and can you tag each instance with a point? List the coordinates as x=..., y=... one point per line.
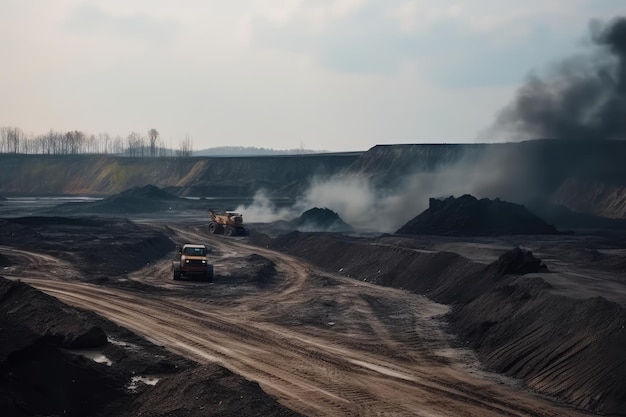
x=336, y=75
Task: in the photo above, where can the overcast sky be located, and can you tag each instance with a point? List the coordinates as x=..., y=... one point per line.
x=324, y=74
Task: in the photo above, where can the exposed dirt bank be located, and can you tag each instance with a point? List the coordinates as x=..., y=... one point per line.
x=197, y=176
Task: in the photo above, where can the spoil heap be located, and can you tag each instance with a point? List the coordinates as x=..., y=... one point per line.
x=137, y=200
x=146, y=199
x=320, y=220
x=468, y=216
x=520, y=325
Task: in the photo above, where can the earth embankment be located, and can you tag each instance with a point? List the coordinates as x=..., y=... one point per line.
x=197, y=176
x=570, y=348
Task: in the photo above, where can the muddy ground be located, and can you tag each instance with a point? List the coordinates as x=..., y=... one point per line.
x=307, y=323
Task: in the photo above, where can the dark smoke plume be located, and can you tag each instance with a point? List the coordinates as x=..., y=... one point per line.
x=583, y=98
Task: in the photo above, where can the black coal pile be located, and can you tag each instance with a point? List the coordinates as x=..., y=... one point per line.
x=42, y=375
x=206, y=391
x=564, y=218
x=137, y=200
x=469, y=216
x=507, y=311
x=146, y=199
x=519, y=262
x=566, y=347
x=37, y=376
x=320, y=220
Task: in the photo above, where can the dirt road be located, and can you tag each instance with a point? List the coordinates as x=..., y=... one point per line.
x=324, y=345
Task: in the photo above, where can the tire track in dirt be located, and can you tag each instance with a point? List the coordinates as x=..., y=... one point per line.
x=203, y=339
x=28, y=263
x=311, y=370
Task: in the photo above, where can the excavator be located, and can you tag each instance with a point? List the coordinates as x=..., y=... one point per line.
x=228, y=223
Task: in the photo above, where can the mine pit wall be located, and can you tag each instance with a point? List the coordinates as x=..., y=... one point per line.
x=198, y=176
x=569, y=349
x=583, y=175
x=587, y=176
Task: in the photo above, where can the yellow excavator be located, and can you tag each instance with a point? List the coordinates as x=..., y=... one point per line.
x=227, y=223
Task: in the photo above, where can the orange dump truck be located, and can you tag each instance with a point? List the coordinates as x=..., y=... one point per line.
x=192, y=261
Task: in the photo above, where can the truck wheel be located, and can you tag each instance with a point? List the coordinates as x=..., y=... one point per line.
x=176, y=275
x=212, y=227
x=229, y=231
x=209, y=274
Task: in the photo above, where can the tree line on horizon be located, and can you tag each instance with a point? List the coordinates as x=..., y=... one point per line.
x=135, y=145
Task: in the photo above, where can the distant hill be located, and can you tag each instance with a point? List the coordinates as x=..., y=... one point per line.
x=251, y=151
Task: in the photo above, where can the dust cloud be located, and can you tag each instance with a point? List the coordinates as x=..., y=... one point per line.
x=264, y=210
x=370, y=206
x=583, y=97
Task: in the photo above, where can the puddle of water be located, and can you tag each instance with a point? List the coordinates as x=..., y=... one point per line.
x=136, y=381
x=123, y=344
x=94, y=355
x=385, y=371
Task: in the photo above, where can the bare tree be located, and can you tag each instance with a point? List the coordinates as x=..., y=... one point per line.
x=153, y=136
x=14, y=140
x=104, y=141
x=118, y=145
x=185, y=148
x=3, y=140
x=136, y=144
x=11, y=139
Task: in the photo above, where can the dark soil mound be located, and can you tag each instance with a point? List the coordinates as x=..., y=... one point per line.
x=572, y=349
x=208, y=390
x=15, y=234
x=4, y=261
x=137, y=200
x=95, y=246
x=519, y=262
x=468, y=216
x=41, y=379
x=564, y=218
x=45, y=315
x=320, y=220
x=568, y=348
x=146, y=199
x=38, y=376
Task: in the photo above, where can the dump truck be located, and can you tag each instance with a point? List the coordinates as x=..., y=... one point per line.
x=191, y=260
x=228, y=223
